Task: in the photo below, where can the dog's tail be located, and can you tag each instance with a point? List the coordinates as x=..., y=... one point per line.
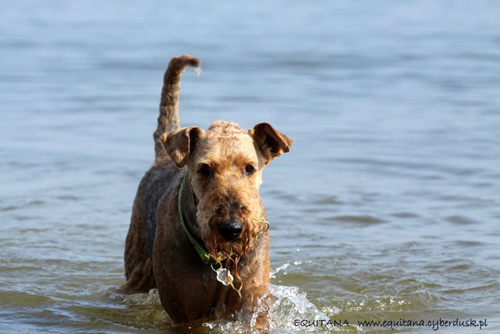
x=168, y=120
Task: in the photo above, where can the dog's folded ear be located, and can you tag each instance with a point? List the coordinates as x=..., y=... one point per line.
x=179, y=144
x=270, y=141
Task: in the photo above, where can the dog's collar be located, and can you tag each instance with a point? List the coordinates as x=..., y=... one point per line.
x=205, y=256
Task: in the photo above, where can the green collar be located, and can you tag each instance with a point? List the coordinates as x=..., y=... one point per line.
x=206, y=257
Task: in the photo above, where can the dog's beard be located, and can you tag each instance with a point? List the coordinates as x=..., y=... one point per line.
x=233, y=252
x=211, y=212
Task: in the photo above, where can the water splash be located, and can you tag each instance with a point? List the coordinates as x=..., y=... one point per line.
x=279, y=269
x=283, y=305
x=289, y=305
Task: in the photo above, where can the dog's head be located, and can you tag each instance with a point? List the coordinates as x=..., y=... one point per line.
x=226, y=163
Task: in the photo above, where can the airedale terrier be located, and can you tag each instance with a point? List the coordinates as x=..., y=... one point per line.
x=199, y=231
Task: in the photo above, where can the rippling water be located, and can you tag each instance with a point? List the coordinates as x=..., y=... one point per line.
x=386, y=208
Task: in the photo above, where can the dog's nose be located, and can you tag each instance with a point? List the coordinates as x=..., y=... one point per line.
x=230, y=229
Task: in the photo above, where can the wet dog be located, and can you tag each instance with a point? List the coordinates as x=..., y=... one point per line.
x=199, y=231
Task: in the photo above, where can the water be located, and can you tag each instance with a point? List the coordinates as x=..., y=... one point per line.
x=386, y=207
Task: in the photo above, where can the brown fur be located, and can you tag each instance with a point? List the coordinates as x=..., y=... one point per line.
x=188, y=287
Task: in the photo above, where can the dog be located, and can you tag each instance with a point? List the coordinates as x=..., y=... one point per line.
x=199, y=231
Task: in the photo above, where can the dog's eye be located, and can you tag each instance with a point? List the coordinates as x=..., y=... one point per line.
x=249, y=169
x=205, y=171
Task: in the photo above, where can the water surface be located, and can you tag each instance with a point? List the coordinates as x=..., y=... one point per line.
x=387, y=207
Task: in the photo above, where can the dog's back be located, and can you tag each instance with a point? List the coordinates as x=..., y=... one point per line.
x=154, y=184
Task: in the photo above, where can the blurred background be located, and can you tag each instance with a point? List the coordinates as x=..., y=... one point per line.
x=387, y=206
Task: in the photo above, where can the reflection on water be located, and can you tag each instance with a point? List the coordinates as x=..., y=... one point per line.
x=386, y=207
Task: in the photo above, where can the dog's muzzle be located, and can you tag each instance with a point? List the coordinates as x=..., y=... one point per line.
x=230, y=229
